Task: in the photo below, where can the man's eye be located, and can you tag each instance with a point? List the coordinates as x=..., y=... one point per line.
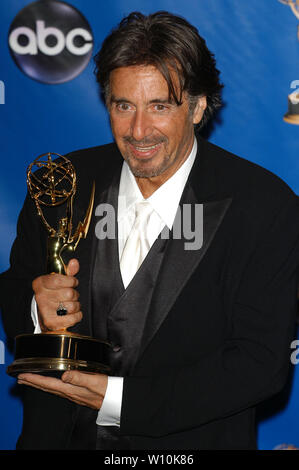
x=123, y=106
x=160, y=107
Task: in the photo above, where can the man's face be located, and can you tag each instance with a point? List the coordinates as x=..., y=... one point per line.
x=153, y=134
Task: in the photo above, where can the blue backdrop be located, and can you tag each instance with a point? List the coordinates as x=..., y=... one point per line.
x=256, y=49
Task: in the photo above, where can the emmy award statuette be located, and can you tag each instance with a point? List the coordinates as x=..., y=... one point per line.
x=50, y=352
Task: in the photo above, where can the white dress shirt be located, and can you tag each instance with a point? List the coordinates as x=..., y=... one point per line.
x=165, y=201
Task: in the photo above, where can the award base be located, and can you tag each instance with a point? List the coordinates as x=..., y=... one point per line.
x=291, y=118
x=53, y=352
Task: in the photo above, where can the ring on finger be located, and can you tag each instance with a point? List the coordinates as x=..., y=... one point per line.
x=61, y=310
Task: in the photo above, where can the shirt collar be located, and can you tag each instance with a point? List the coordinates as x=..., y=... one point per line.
x=165, y=199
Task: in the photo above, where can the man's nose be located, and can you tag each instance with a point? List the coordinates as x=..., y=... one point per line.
x=141, y=125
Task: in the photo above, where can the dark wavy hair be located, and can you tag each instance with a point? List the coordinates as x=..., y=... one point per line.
x=167, y=42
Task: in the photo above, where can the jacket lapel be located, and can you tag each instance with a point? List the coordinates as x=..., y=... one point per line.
x=86, y=250
x=181, y=259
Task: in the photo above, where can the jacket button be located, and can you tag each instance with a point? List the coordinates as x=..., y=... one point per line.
x=116, y=348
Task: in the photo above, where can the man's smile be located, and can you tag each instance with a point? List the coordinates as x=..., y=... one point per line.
x=144, y=151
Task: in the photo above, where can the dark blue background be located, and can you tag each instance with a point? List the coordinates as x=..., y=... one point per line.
x=257, y=51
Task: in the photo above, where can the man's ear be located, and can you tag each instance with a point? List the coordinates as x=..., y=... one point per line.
x=199, y=109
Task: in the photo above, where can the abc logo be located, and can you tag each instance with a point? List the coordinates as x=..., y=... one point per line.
x=38, y=41
x=50, y=41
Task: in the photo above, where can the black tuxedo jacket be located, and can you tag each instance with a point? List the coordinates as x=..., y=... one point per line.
x=217, y=337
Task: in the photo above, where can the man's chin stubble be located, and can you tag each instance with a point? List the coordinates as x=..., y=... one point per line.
x=140, y=172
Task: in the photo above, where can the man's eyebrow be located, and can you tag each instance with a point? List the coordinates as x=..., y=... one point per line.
x=161, y=101
x=114, y=99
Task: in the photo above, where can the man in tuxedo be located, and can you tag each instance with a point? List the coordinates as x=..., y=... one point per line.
x=200, y=321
